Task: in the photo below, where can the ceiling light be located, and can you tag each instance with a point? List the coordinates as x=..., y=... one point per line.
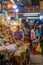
x=16, y=10
x=14, y=6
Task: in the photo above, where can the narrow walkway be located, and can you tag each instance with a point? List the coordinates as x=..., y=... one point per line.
x=36, y=59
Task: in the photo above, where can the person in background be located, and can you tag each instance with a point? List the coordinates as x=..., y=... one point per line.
x=23, y=29
x=28, y=34
x=32, y=36
x=32, y=33
x=41, y=41
x=40, y=29
x=18, y=33
x=37, y=33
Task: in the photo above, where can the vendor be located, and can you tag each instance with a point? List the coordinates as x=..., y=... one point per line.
x=18, y=33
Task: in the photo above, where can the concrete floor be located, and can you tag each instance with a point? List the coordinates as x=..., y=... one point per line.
x=36, y=59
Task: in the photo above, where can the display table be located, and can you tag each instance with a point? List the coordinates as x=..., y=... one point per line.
x=17, y=53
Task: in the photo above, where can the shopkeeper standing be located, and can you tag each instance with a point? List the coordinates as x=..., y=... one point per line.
x=18, y=33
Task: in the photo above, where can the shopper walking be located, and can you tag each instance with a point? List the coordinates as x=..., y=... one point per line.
x=33, y=36
x=41, y=39
x=37, y=33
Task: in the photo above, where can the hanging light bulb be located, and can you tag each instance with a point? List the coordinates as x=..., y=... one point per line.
x=14, y=6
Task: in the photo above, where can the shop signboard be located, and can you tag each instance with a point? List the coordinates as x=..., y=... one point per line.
x=30, y=15
x=33, y=17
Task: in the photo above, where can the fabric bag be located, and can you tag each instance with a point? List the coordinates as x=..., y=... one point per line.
x=38, y=48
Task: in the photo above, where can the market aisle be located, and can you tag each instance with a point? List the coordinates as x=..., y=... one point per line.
x=36, y=59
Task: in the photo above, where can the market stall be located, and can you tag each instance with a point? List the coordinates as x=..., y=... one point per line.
x=15, y=52
x=11, y=48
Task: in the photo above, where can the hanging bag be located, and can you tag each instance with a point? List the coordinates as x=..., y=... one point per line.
x=38, y=48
